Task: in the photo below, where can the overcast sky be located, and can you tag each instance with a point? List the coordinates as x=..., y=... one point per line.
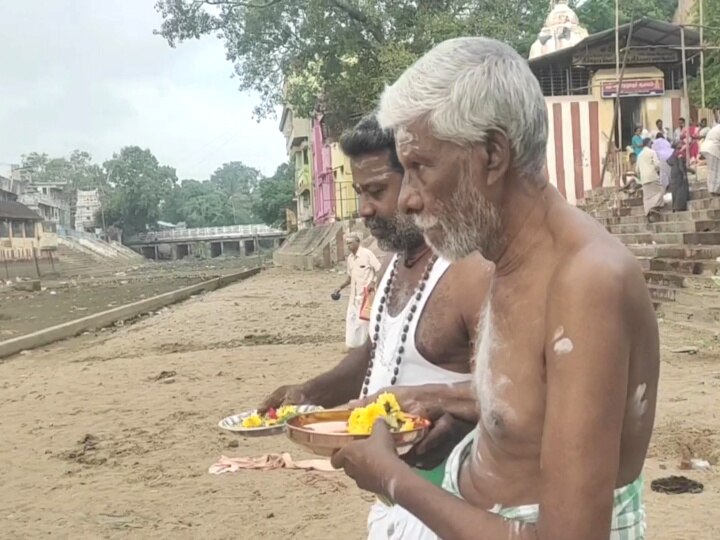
x=90, y=74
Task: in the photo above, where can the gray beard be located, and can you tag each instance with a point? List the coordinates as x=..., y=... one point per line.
x=467, y=222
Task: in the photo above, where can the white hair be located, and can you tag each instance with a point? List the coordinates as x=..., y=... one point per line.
x=352, y=236
x=466, y=87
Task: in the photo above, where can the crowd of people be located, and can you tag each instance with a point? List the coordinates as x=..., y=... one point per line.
x=509, y=318
x=661, y=162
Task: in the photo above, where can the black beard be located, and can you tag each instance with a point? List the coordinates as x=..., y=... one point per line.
x=396, y=234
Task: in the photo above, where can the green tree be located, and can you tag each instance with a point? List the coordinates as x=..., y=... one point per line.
x=711, y=21
x=238, y=183
x=198, y=204
x=275, y=194
x=139, y=184
x=76, y=172
x=599, y=15
x=339, y=54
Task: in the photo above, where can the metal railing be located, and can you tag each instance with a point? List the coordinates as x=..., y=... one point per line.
x=205, y=233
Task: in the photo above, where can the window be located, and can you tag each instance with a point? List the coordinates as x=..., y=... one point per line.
x=29, y=229
x=4, y=229
x=17, y=229
x=306, y=159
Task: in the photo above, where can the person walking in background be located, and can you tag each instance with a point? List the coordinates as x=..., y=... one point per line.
x=693, y=139
x=637, y=141
x=362, y=270
x=704, y=130
x=664, y=151
x=711, y=152
x=679, y=187
x=680, y=132
x=648, y=166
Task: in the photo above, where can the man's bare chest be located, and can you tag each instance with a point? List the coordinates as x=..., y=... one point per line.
x=509, y=372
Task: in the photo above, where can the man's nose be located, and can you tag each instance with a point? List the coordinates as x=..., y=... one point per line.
x=366, y=209
x=409, y=200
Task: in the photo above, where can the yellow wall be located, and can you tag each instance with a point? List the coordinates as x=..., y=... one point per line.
x=346, y=206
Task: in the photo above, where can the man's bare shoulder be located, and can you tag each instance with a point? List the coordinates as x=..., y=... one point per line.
x=600, y=267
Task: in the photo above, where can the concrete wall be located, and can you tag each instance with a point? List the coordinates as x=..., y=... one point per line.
x=321, y=246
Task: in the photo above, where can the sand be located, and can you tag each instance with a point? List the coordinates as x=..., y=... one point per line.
x=97, y=442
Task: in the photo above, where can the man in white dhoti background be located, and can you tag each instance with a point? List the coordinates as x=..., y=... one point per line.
x=648, y=168
x=710, y=149
x=362, y=270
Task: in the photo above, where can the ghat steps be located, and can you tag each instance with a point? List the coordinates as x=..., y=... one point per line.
x=679, y=252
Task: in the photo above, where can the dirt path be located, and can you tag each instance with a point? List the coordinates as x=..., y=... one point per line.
x=93, y=446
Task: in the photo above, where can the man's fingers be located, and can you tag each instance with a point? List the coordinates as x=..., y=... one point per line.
x=338, y=459
x=440, y=428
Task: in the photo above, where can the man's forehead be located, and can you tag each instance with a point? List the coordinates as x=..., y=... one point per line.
x=415, y=136
x=372, y=160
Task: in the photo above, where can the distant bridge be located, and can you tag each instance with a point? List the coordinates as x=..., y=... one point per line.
x=237, y=240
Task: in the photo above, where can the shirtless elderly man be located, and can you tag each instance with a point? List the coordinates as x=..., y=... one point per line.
x=567, y=354
x=423, y=317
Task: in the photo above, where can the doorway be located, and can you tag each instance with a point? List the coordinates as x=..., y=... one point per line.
x=630, y=118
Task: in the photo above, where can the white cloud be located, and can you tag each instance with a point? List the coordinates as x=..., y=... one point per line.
x=91, y=75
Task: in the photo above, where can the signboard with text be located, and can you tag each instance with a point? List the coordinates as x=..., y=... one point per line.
x=605, y=55
x=634, y=87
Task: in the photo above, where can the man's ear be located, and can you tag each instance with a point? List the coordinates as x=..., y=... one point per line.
x=499, y=154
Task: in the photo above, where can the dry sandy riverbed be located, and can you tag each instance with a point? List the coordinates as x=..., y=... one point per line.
x=63, y=299
x=92, y=446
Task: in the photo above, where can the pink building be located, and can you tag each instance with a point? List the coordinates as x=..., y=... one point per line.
x=323, y=182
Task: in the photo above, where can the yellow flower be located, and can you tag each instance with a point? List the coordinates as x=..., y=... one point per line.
x=283, y=413
x=389, y=402
x=271, y=421
x=407, y=425
x=362, y=419
x=252, y=421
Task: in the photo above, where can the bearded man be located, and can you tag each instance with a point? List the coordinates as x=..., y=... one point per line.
x=423, y=317
x=567, y=356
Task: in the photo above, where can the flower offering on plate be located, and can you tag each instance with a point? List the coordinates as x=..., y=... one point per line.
x=271, y=422
x=325, y=432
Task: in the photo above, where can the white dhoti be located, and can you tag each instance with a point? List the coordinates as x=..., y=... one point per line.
x=396, y=523
x=356, y=330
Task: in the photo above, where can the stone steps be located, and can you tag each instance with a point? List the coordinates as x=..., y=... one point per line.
x=666, y=227
x=679, y=252
x=685, y=267
x=685, y=297
x=669, y=217
x=697, y=238
x=683, y=281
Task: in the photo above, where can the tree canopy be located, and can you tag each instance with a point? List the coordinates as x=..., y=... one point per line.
x=337, y=55
x=139, y=185
x=275, y=195
x=711, y=20
x=76, y=171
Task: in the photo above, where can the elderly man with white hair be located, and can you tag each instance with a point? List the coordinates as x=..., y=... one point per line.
x=362, y=269
x=567, y=353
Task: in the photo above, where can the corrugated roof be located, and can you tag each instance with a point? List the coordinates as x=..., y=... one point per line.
x=16, y=210
x=647, y=31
